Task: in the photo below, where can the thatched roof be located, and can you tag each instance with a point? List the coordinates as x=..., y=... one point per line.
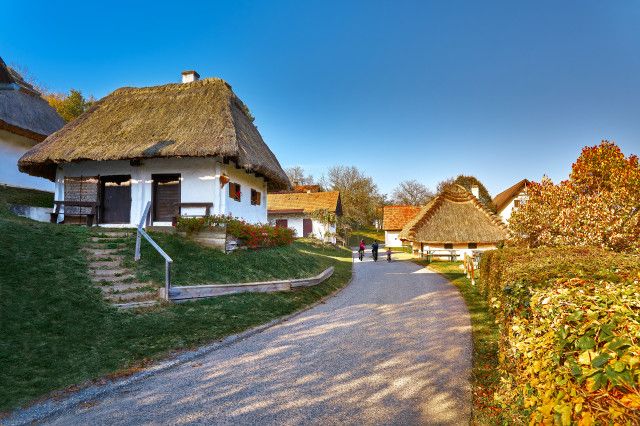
x=502, y=199
x=199, y=119
x=22, y=109
x=455, y=216
x=304, y=202
x=396, y=217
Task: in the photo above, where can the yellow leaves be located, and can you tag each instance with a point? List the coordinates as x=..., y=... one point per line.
x=586, y=357
x=586, y=419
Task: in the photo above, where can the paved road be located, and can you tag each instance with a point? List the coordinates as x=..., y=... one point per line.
x=392, y=348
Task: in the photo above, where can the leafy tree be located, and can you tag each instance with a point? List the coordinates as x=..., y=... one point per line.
x=69, y=106
x=597, y=206
x=297, y=176
x=411, y=192
x=361, y=200
x=467, y=182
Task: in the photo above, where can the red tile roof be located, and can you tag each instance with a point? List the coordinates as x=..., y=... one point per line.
x=396, y=217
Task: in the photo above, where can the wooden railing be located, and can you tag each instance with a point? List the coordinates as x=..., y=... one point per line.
x=471, y=263
x=167, y=260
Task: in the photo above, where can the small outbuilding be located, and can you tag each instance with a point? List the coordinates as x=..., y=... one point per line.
x=310, y=213
x=511, y=198
x=25, y=120
x=454, y=221
x=394, y=218
x=189, y=148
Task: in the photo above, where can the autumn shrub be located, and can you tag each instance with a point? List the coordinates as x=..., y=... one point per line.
x=576, y=354
x=599, y=205
x=251, y=235
x=548, y=303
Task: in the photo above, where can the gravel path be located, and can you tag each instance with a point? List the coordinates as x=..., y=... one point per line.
x=392, y=348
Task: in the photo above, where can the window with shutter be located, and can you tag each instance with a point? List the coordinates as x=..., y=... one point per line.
x=234, y=191
x=256, y=197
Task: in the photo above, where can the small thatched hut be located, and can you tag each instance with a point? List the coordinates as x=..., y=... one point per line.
x=454, y=220
x=309, y=212
x=185, y=147
x=25, y=119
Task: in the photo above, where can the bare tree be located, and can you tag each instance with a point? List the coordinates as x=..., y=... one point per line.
x=297, y=176
x=361, y=200
x=411, y=192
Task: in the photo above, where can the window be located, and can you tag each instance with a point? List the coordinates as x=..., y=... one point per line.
x=473, y=245
x=448, y=246
x=281, y=223
x=234, y=191
x=256, y=197
x=516, y=203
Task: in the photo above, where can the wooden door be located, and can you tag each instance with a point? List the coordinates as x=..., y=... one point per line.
x=115, y=199
x=166, y=197
x=307, y=227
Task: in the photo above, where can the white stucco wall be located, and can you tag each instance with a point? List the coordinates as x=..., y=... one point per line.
x=505, y=213
x=295, y=222
x=12, y=147
x=200, y=183
x=461, y=249
x=391, y=239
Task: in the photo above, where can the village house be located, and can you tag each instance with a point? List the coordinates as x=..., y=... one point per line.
x=454, y=222
x=394, y=218
x=25, y=120
x=189, y=148
x=511, y=198
x=306, y=210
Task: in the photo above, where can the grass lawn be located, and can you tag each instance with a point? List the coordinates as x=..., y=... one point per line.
x=485, y=375
x=369, y=235
x=29, y=197
x=57, y=331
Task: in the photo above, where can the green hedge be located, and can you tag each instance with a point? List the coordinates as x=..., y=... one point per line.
x=569, y=323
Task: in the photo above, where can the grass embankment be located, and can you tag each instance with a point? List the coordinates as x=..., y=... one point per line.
x=194, y=264
x=57, y=331
x=369, y=235
x=28, y=197
x=485, y=375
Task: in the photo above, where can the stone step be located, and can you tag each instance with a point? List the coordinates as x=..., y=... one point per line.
x=103, y=252
x=98, y=263
x=106, y=246
x=125, y=287
x=110, y=273
x=106, y=280
x=131, y=297
x=134, y=305
x=105, y=240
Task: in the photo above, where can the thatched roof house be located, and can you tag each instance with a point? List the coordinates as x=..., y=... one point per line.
x=199, y=119
x=394, y=218
x=454, y=219
x=23, y=111
x=511, y=198
x=298, y=211
x=175, y=145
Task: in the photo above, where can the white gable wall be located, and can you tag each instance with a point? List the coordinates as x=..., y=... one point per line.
x=295, y=222
x=200, y=184
x=12, y=147
x=505, y=213
x=391, y=239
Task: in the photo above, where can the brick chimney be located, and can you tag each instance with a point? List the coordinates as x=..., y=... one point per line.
x=475, y=191
x=190, y=76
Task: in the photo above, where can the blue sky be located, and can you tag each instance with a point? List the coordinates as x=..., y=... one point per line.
x=403, y=90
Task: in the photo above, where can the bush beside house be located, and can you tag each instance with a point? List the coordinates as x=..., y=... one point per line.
x=569, y=323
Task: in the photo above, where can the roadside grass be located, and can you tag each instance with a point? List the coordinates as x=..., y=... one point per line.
x=29, y=197
x=194, y=264
x=369, y=235
x=485, y=375
x=57, y=331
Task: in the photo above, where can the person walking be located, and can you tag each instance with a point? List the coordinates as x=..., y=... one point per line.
x=374, y=251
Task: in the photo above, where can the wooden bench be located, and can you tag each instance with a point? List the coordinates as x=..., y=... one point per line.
x=450, y=253
x=91, y=216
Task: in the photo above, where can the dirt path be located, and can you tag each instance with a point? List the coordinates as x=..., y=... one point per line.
x=392, y=348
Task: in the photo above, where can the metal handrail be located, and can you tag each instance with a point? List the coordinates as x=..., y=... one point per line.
x=167, y=260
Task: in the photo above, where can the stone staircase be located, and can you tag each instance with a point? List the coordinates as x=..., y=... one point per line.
x=106, y=268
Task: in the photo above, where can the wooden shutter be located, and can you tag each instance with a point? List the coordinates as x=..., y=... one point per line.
x=281, y=223
x=80, y=188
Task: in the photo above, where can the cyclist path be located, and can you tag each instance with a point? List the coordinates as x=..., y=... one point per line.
x=394, y=347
